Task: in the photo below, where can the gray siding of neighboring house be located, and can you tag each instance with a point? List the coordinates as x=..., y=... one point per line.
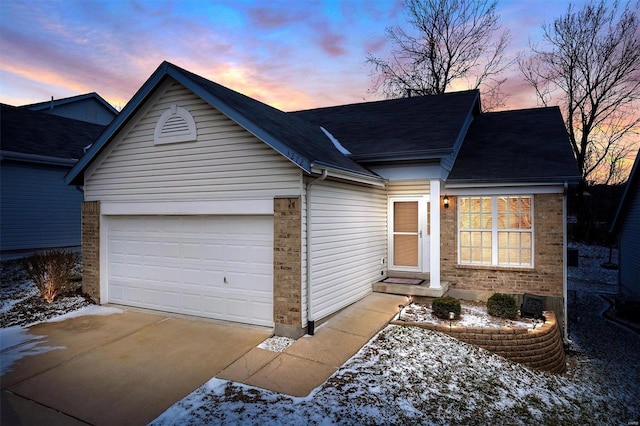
x=629, y=240
x=88, y=110
x=37, y=209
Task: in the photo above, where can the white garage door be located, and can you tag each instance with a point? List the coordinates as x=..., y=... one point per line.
x=212, y=266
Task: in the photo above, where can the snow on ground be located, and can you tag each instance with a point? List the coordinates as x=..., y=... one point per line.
x=21, y=306
x=472, y=314
x=408, y=375
x=276, y=343
x=17, y=342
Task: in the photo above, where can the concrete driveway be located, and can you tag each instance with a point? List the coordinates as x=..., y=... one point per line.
x=119, y=369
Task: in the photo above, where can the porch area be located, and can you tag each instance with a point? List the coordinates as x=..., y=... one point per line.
x=395, y=285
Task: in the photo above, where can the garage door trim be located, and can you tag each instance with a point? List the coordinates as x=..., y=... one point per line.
x=145, y=284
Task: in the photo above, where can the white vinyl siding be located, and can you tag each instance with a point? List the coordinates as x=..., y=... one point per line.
x=408, y=188
x=349, y=237
x=225, y=162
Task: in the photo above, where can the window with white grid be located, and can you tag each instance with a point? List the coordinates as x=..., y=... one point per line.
x=495, y=230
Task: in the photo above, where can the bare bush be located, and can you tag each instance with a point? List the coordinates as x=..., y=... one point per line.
x=50, y=270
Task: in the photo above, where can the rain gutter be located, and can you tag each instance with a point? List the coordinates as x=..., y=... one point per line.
x=310, y=318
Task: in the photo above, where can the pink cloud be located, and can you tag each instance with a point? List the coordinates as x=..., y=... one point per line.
x=273, y=17
x=333, y=44
x=375, y=45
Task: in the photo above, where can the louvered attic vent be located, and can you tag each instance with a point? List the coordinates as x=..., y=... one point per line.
x=175, y=125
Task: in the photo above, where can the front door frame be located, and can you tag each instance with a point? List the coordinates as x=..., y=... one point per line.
x=423, y=235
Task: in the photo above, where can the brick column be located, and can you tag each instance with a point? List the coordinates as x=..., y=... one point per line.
x=91, y=249
x=287, y=267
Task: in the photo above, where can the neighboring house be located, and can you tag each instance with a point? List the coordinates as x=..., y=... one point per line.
x=37, y=209
x=626, y=226
x=203, y=201
x=89, y=107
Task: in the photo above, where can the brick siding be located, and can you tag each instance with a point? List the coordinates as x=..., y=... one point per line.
x=540, y=348
x=287, y=267
x=91, y=249
x=545, y=279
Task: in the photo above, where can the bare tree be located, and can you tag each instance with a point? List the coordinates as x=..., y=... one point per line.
x=451, y=41
x=590, y=67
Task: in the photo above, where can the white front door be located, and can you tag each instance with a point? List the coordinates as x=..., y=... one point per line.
x=409, y=231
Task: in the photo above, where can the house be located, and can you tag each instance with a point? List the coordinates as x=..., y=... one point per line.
x=37, y=209
x=203, y=201
x=89, y=107
x=626, y=226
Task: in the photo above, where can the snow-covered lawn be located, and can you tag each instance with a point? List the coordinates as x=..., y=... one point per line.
x=21, y=303
x=407, y=375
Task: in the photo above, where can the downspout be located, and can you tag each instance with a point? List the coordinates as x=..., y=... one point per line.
x=565, y=322
x=310, y=320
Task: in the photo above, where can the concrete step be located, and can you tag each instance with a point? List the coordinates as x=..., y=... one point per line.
x=413, y=290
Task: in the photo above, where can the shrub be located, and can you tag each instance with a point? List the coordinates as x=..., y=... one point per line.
x=50, y=270
x=443, y=305
x=503, y=306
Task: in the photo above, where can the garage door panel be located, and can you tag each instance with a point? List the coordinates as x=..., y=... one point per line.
x=192, y=303
x=180, y=264
x=213, y=304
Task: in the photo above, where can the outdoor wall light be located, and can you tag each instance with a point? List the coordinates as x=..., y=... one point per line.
x=445, y=202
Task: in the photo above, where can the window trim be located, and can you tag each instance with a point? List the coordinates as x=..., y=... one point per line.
x=495, y=230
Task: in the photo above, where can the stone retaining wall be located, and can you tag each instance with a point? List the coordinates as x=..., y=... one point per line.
x=540, y=348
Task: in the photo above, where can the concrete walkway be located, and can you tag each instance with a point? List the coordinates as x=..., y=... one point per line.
x=128, y=368
x=311, y=360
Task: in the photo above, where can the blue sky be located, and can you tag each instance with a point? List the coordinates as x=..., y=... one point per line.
x=291, y=54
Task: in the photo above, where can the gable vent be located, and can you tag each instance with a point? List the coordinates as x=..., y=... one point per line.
x=175, y=125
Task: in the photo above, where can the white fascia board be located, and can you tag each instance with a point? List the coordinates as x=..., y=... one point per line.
x=395, y=172
x=114, y=127
x=353, y=177
x=503, y=189
x=186, y=208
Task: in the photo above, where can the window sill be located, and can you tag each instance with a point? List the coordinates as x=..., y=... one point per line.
x=497, y=268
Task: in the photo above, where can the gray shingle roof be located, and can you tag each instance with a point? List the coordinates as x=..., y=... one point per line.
x=39, y=106
x=37, y=133
x=417, y=125
x=516, y=146
x=305, y=138
x=525, y=145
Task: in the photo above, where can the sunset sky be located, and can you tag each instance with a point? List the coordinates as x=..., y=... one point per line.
x=292, y=54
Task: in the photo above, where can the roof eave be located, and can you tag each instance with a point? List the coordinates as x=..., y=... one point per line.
x=36, y=158
x=41, y=106
x=253, y=128
x=349, y=175
x=75, y=176
x=473, y=111
x=558, y=180
x=433, y=154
